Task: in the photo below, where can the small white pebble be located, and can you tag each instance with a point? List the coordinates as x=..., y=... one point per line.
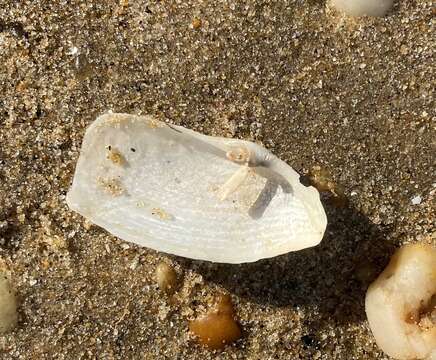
x=73, y=51
x=416, y=200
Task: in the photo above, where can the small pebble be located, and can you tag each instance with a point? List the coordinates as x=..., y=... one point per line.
x=196, y=23
x=416, y=200
x=363, y=7
x=8, y=305
x=166, y=277
x=218, y=327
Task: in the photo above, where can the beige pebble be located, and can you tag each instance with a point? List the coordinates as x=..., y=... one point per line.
x=166, y=277
x=401, y=304
x=8, y=305
x=363, y=7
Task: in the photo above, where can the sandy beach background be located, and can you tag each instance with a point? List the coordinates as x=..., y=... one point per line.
x=354, y=96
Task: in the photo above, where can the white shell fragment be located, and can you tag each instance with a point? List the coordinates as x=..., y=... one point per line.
x=177, y=191
x=363, y=7
x=401, y=304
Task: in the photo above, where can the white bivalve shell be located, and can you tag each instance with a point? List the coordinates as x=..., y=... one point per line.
x=177, y=191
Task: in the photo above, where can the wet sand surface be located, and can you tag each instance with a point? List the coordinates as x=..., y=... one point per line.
x=354, y=96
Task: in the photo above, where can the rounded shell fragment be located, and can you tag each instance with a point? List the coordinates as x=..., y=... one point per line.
x=401, y=304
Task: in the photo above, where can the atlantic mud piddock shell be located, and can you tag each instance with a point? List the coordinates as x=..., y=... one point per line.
x=177, y=191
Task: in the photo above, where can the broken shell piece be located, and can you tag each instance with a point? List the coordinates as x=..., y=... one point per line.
x=202, y=197
x=401, y=304
x=218, y=327
x=363, y=7
x=8, y=305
